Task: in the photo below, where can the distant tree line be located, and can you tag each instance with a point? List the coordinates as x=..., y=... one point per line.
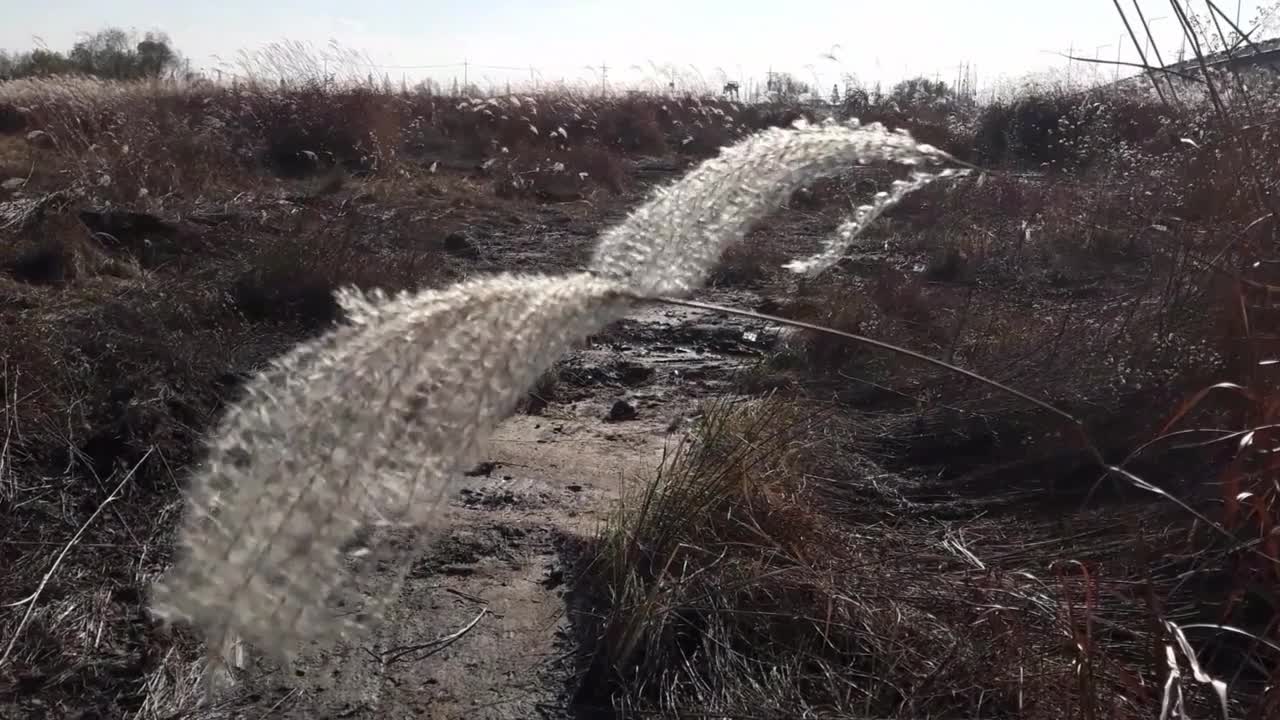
x=110, y=54
x=911, y=94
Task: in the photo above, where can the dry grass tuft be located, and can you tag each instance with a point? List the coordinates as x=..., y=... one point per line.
x=754, y=577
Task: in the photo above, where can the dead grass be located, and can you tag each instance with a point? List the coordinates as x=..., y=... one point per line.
x=982, y=560
x=133, y=140
x=772, y=569
x=872, y=538
x=16, y=156
x=767, y=573
x=109, y=375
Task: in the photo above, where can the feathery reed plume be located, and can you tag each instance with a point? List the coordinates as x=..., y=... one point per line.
x=669, y=245
x=362, y=426
x=366, y=426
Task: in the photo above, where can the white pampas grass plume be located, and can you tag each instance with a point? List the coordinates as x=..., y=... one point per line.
x=368, y=425
x=669, y=245
x=839, y=243
x=363, y=426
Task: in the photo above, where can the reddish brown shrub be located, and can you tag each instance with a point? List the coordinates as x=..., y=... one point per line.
x=632, y=126
x=13, y=120
x=603, y=167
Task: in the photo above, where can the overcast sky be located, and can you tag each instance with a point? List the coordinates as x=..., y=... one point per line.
x=722, y=39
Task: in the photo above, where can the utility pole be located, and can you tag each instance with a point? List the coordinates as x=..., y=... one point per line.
x=466, y=67
x=1146, y=47
x=1155, y=47
x=604, y=79
x=1097, y=54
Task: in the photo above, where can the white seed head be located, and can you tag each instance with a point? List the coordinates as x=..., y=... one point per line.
x=669, y=245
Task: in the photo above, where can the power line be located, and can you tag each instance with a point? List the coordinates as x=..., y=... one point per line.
x=463, y=64
x=410, y=67
x=503, y=67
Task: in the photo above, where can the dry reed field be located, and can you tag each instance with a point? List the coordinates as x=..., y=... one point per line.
x=335, y=398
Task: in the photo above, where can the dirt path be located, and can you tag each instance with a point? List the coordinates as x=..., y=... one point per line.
x=481, y=630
